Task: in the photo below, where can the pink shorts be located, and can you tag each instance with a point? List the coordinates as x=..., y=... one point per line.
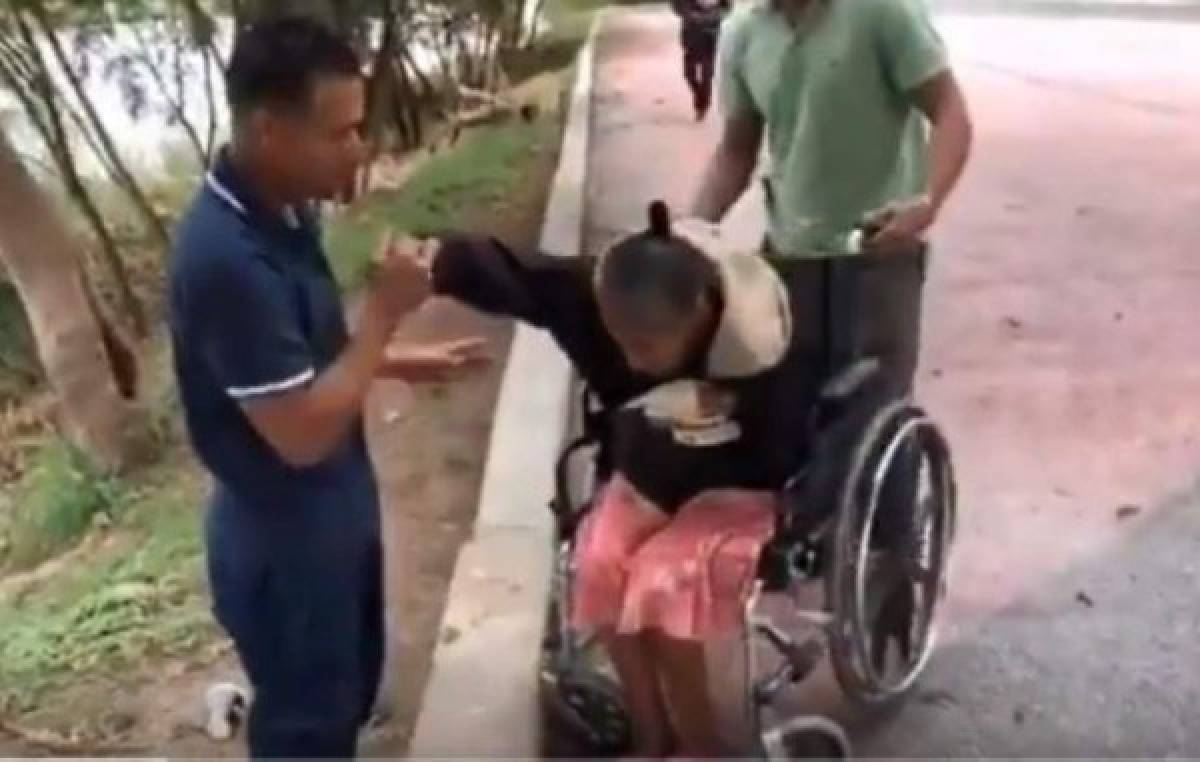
x=685, y=575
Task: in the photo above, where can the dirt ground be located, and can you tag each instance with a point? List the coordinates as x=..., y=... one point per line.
x=429, y=445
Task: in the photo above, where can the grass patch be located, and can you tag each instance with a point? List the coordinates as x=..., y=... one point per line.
x=139, y=599
x=442, y=194
x=135, y=592
x=55, y=503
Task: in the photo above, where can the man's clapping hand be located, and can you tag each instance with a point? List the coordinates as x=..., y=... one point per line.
x=400, y=280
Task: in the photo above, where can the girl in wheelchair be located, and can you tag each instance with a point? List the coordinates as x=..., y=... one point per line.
x=689, y=346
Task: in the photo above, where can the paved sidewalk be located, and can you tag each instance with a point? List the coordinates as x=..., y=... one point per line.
x=1061, y=354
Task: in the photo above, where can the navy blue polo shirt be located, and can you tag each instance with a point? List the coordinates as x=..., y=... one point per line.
x=255, y=312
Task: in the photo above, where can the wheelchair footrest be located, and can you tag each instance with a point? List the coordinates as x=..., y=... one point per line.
x=806, y=737
x=800, y=658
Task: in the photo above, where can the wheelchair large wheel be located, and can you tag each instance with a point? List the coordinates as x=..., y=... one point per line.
x=884, y=593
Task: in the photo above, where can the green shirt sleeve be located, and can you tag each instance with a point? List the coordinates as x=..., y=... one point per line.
x=913, y=52
x=732, y=91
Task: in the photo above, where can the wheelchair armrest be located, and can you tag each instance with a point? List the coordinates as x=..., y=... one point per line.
x=566, y=513
x=849, y=380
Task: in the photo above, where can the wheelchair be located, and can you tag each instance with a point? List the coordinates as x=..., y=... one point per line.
x=877, y=623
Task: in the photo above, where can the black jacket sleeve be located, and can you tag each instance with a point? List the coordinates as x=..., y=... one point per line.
x=485, y=274
x=547, y=292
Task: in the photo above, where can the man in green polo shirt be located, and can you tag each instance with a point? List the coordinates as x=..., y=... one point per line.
x=861, y=113
x=864, y=122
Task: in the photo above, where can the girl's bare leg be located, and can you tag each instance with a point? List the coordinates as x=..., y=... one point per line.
x=684, y=673
x=633, y=657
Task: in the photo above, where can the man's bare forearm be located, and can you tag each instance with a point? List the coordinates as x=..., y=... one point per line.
x=304, y=427
x=730, y=169
x=336, y=398
x=724, y=182
x=950, y=139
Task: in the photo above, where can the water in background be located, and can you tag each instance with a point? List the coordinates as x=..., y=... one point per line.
x=129, y=100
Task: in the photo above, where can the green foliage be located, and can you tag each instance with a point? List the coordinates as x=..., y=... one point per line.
x=55, y=503
x=142, y=598
x=447, y=189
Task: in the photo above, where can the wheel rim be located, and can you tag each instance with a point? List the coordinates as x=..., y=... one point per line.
x=854, y=642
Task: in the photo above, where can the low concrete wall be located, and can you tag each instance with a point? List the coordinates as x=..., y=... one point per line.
x=482, y=696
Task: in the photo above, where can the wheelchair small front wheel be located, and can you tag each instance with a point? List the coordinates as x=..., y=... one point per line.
x=884, y=591
x=586, y=714
x=806, y=737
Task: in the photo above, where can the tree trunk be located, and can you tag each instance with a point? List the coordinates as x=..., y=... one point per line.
x=238, y=11
x=405, y=110
x=111, y=156
x=479, y=56
x=512, y=26
x=413, y=105
x=531, y=34
x=324, y=11
x=44, y=265
x=379, y=87
x=210, y=139
x=58, y=143
x=379, y=84
x=493, y=61
x=429, y=92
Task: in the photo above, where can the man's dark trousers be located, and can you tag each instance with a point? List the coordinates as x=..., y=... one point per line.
x=301, y=594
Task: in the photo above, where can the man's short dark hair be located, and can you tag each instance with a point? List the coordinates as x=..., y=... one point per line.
x=276, y=63
x=655, y=278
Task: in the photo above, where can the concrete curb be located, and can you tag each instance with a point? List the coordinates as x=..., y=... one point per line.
x=482, y=696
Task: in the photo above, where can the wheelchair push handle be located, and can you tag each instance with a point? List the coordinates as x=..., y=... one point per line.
x=843, y=340
x=866, y=229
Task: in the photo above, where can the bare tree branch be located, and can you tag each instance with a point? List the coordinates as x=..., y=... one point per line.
x=177, y=108
x=96, y=131
x=44, y=88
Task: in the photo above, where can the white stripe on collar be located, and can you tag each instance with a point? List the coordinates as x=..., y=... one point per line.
x=290, y=215
x=224, y=193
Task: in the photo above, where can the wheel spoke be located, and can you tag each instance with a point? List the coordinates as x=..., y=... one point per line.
x=886, y=632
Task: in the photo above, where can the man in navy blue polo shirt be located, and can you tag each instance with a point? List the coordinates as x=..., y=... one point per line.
x=273, y=384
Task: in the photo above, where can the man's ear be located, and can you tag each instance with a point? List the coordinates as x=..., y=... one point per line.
x=261, y=127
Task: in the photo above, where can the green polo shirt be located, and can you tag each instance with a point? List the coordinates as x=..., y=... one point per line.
x=835, y=93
